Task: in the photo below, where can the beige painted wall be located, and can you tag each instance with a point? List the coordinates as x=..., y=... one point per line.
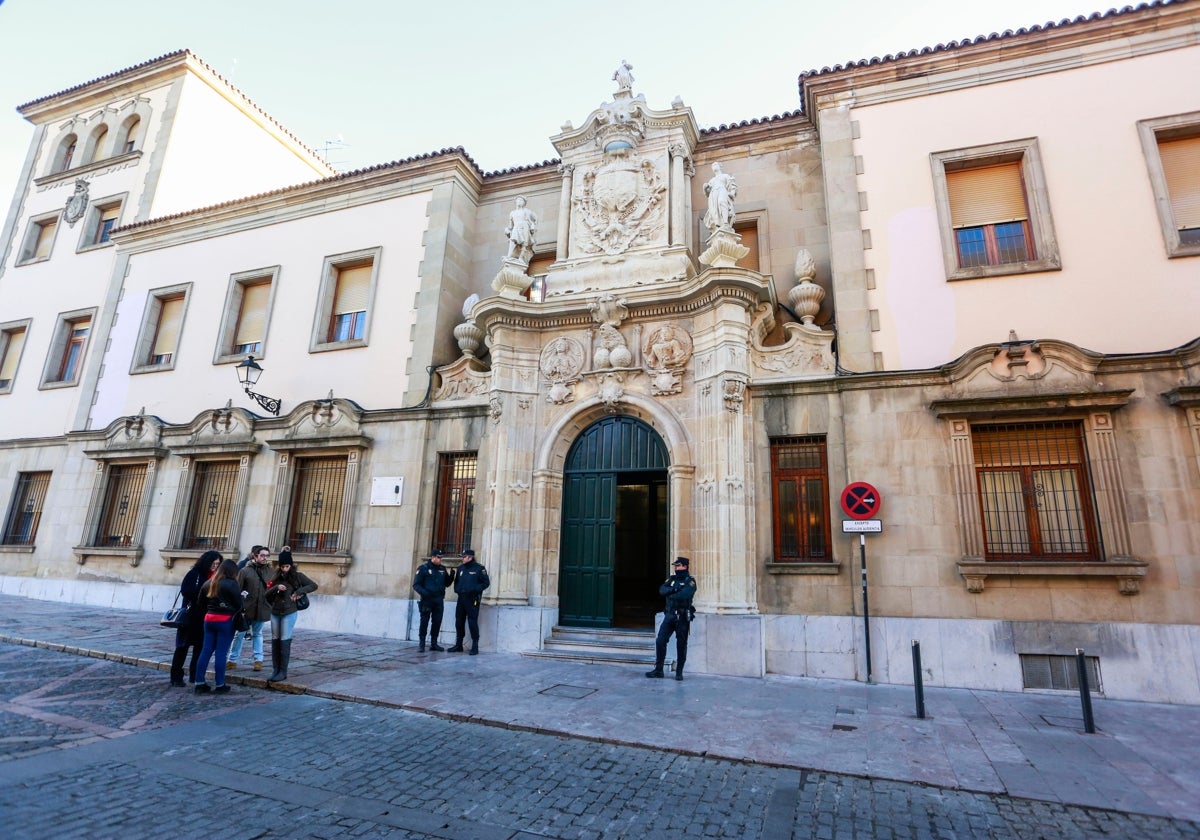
x=1121, y=292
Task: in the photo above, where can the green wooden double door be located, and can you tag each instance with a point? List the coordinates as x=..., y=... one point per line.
x=614, y=546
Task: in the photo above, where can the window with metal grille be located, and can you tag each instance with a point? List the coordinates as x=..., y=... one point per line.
x=1035, y=492
x=1058, y=673
x=456, y=501
x=800, y=485
x=210, y=514
x=316, y=516
x=122, y=501
x=26, y=512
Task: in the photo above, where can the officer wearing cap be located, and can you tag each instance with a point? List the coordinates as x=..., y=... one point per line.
x=679, y=590
x=469, y=582
x=431, y=582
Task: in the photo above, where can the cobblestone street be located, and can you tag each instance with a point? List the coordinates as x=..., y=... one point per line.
x=93, y=748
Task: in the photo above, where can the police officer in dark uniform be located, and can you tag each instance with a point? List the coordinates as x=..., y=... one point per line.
x=431, y=582
x=679, y=590
x=469, y=582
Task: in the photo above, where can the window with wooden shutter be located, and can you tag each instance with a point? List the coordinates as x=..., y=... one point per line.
x=1181, y=169
x=749, y=232
x=252, y=319
x=350, y=303
x=166, y=336
x=989, y=214
x=11, y=343
x=454, y=518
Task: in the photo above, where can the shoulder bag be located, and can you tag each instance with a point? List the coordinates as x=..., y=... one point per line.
x=177, y=616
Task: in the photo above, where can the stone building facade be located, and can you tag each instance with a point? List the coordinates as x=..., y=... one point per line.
x=671, y=340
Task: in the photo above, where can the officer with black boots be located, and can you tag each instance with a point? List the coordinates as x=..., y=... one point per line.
x=469, y=582
x=679, y=590
x=431, y=582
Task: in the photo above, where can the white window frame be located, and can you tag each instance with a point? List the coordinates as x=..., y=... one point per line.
x=58, y=345
x=92, y=228
x=6, y=333
x=28, y=252
x=1037, y=201
x=149, y=329
x=225, y=352
x=1152, y=132
x=319, y=341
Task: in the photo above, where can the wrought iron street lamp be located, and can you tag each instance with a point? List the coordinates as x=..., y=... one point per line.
x=247, y=373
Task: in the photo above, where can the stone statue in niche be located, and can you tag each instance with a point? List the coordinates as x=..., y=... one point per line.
x=721, y=191
x=623, y=77
x=522, y=226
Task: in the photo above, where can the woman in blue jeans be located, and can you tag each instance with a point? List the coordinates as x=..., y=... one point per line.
x=288, y=585
x=222, y=600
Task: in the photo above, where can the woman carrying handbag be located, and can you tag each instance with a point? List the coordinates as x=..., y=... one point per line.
x=285, y=589
x=190, y=635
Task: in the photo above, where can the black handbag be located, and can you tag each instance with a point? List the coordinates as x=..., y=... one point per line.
x=240, y=624
x=302, y=601
x=177, y=616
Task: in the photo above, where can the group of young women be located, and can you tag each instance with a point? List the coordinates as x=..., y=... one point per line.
x=212, y=589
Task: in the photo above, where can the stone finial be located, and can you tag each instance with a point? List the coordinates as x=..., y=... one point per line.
x=806, y=268
x=805, y=298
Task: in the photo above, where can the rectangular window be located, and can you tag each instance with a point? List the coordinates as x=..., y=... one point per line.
x=319, y=489
x=166, y=334
x=1058, y=673
x=1171, y=146
x=343, y=316
x=25, y=514
x=72, y=356
x=12, y=342
x=107, y=221
x=350, y=303
x=103, y=216
x=994, y=211
x=210, y=515
x=252, y=319
x=244, y=321
x=748, y=230
x=39, y=240
x=539, y=267
x=989, y=215
x=1035, y=492
x=122, y=503
x=455, y=501
x=800, y=485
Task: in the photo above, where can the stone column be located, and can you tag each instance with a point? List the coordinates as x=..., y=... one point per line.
x=970, y=528
x=564, y=210
x=678, y=210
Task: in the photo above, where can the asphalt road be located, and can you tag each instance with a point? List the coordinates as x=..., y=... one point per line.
x=97, y=749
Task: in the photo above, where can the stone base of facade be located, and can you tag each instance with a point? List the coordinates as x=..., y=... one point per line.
x=956, y=653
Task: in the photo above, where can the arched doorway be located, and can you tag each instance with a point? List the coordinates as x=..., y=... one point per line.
x=614, y=525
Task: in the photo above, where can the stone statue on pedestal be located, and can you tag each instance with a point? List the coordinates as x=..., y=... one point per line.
x=522, y=226
x=721, y=190
x=623, y=77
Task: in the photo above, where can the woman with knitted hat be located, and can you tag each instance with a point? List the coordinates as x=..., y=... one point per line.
x=287, y=585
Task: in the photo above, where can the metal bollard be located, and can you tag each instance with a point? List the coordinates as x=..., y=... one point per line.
x=1085, y=693
x=918, y=683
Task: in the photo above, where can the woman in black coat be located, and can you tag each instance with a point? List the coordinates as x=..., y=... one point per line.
x=190, y=636
x=222, y=600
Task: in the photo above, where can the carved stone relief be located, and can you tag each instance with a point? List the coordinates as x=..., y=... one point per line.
x=733, y=391
x=561, y=363
x=620, y=204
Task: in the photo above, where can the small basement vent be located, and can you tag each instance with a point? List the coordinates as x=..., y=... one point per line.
x=1057, y=673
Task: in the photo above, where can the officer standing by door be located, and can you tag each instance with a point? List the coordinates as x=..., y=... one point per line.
x=470, y=579
x=679, y=590
x=431, y=582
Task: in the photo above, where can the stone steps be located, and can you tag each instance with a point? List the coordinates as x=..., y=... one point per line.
x=591, y=644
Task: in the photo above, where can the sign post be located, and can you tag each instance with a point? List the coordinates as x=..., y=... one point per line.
x=860, y=501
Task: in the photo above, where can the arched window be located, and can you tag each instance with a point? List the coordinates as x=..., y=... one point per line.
x=129, y=135
x=65, y=154
x=96, y=143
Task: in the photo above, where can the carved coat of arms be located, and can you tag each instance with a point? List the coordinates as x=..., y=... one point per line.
x=621, y=204
x=77, y=204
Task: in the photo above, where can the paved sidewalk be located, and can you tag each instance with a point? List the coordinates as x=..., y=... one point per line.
x=1141, y=760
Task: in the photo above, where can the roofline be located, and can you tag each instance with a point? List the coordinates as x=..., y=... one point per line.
x=991, y=48
x=66, y=102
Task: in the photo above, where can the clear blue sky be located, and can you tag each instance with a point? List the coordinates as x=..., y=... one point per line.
x=395, y=78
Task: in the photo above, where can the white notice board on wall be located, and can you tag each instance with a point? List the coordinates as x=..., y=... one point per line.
x=387, y=490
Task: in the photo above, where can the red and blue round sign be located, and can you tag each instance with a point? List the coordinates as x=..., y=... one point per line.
x=860, y=500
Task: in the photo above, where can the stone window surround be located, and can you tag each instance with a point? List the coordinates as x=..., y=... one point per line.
x=6, y=331
x=58, y=346
x=105, y=460
x=350, y=447
x=94, y=212
x=230, y=316
x=26, y=256
x=319, y=341
x=1151, y=132
x=751, y=212
x=1037, y=201
x=148, y=331
x=1094, y=409
x=191, y=456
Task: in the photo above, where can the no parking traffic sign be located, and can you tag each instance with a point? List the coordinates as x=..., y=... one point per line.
x=860, y=500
